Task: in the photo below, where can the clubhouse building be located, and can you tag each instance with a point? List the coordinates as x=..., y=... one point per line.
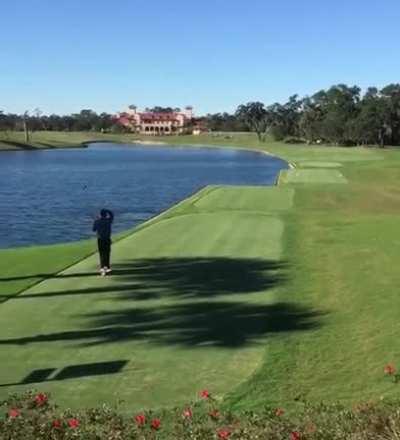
x=158, y=124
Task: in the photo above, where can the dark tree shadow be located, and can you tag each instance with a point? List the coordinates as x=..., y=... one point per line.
x=49, y=276
x=213, y=305
x=222, y=324
x=204, y=276
x=50, y=146
x=181, y=277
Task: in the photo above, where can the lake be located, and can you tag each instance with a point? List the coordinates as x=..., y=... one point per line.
x=52, y=196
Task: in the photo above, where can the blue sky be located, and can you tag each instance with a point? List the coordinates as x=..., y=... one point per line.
x=62, y=56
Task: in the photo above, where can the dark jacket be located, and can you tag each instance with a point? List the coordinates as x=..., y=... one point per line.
x=103, y=226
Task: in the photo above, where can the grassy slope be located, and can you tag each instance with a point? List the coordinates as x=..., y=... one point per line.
x=341, y=248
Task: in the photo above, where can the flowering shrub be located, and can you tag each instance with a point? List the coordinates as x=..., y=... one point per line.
x=30, y=417
x=390, y=370
x=205, y=394
x=223, y=433
x=41, y=399
x=187, y=413
x=73, y=423
x=156, y=424
x=140, y=419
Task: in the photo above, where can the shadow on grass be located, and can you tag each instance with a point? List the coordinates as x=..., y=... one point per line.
x=220, y=324
x=179, y=277
x=212, y=305
x=49, y=276
x=71, y=372
x=20, y=145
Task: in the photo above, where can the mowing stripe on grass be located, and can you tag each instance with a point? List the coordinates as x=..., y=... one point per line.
x=191, y=304
x=315, y=164
x=312, y=176
x=262, y=199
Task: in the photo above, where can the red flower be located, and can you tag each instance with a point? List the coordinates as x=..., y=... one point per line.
x=295, y=435
x=205, y=394
x=73, y=423
x=187, y=413
x=14, y=413
x=41, y=399
x=214, y=414
x=223, y=433
x=56, y=424
x=140, y=419
x=390, y=369
x=279, y=412
x=155, y=424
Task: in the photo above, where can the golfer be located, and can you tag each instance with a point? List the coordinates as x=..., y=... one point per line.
x=102, y=226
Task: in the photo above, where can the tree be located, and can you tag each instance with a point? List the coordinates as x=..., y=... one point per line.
x=256, y=117
x=391, y=98
x=340, y=106
x=311, y=120
x=25, y=118
x=85, y=120
x=224, y=122
x=369, y=125
x=159, y=109
x=285, y=118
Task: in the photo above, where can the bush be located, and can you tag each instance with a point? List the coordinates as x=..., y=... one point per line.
x=119, y=129
x=34, y=417
x=294, y=140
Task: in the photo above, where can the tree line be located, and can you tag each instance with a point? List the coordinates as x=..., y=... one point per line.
x=340, y=115
x=86, y=120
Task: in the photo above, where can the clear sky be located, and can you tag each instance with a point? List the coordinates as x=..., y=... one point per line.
x=65, y=55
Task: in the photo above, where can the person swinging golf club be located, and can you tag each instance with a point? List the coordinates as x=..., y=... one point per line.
x=102, y=226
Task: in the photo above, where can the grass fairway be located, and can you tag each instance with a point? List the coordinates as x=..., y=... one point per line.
x=312, y=176
x=263, y=295
x=23, y=267
x=192, y=303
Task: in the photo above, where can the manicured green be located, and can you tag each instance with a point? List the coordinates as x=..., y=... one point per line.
x=23, y=267
x=263, y=295
x=312, y=164
x=312, y=176
x=187, y=308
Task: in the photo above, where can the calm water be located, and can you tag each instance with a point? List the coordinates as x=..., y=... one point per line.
x=53, y=196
